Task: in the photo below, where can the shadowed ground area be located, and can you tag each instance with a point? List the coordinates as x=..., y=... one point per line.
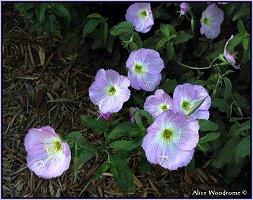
x=41, y=86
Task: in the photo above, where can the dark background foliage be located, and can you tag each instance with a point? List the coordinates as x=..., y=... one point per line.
x=67, y=43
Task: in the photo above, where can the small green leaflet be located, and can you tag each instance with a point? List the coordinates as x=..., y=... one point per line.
x=196, y=106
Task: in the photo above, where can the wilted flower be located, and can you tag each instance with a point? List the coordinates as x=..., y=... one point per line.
x=229, y=56
x=132, y=111
x=145, y=66
x=107, y=116
x=184, y=8
x=171, y=139
x=47, y=155
x=186, y=96
x=109, y=91
x=158, y=103
x=140, y=15
x=211, y=21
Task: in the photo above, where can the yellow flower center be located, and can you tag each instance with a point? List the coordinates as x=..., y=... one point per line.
x=111, y=91
x=52, y=149
x=167, y=134
x=186, y=105
x=138, y=69
x=206, y=21
x=164, y=107
x=143, y=14
x=57, y=146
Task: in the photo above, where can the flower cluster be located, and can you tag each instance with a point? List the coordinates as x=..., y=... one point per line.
x=171, y=139
x=110, y=90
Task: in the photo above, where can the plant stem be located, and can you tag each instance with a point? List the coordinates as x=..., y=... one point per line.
x=197, y=68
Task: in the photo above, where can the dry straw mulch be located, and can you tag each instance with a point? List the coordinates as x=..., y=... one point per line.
x=43, y=87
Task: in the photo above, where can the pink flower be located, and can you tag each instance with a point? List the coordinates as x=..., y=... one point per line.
x=184, y=8
x=47, y=155
x=211, y=21
x=230, y=57
x=109, y=91
x=140, y=15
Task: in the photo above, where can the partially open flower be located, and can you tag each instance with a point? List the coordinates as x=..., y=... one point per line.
x=186, y=96
x=229, y=56
x=171, y=139
x=107, y=116
x=158, y=103
x=140, y=15
x=184, y=8
x=144, y=69
x=211, y=21
x=109, y=91
x=132, y=111
x=47, y=155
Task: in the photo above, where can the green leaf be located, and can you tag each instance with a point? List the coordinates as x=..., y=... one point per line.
x=53, y=24
x=125, y=128
x=170, y=50
x=85, y=152
x=82, y=155
x=245, y=43
x=122, y=28
x=196, y=106
x=243, y=148
x=226, y=154
x=138, y=99
x=169, y=85
x=147, y=115
x=246, y=52
x=122, y=145
x=182, y=38
x=145, y=166
x=191, y=167
x=230, y=8
x=203, y=147
x=221, y=104
x=122, y=173
x=102, y=169
x=206, y=125
x=161, y=43
x=240, y=26
x=61, y=11
x=241, y=13
x=238, y=128
x=94, y=123
x=209, y=137
x=105, y=29
x=236, y=40
x=167, y=30
x=228, y=88
x=74, y=135
x=234, y=169
x=40, y=9
x=90, y=26
x=95, y=15
x=138, y=120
